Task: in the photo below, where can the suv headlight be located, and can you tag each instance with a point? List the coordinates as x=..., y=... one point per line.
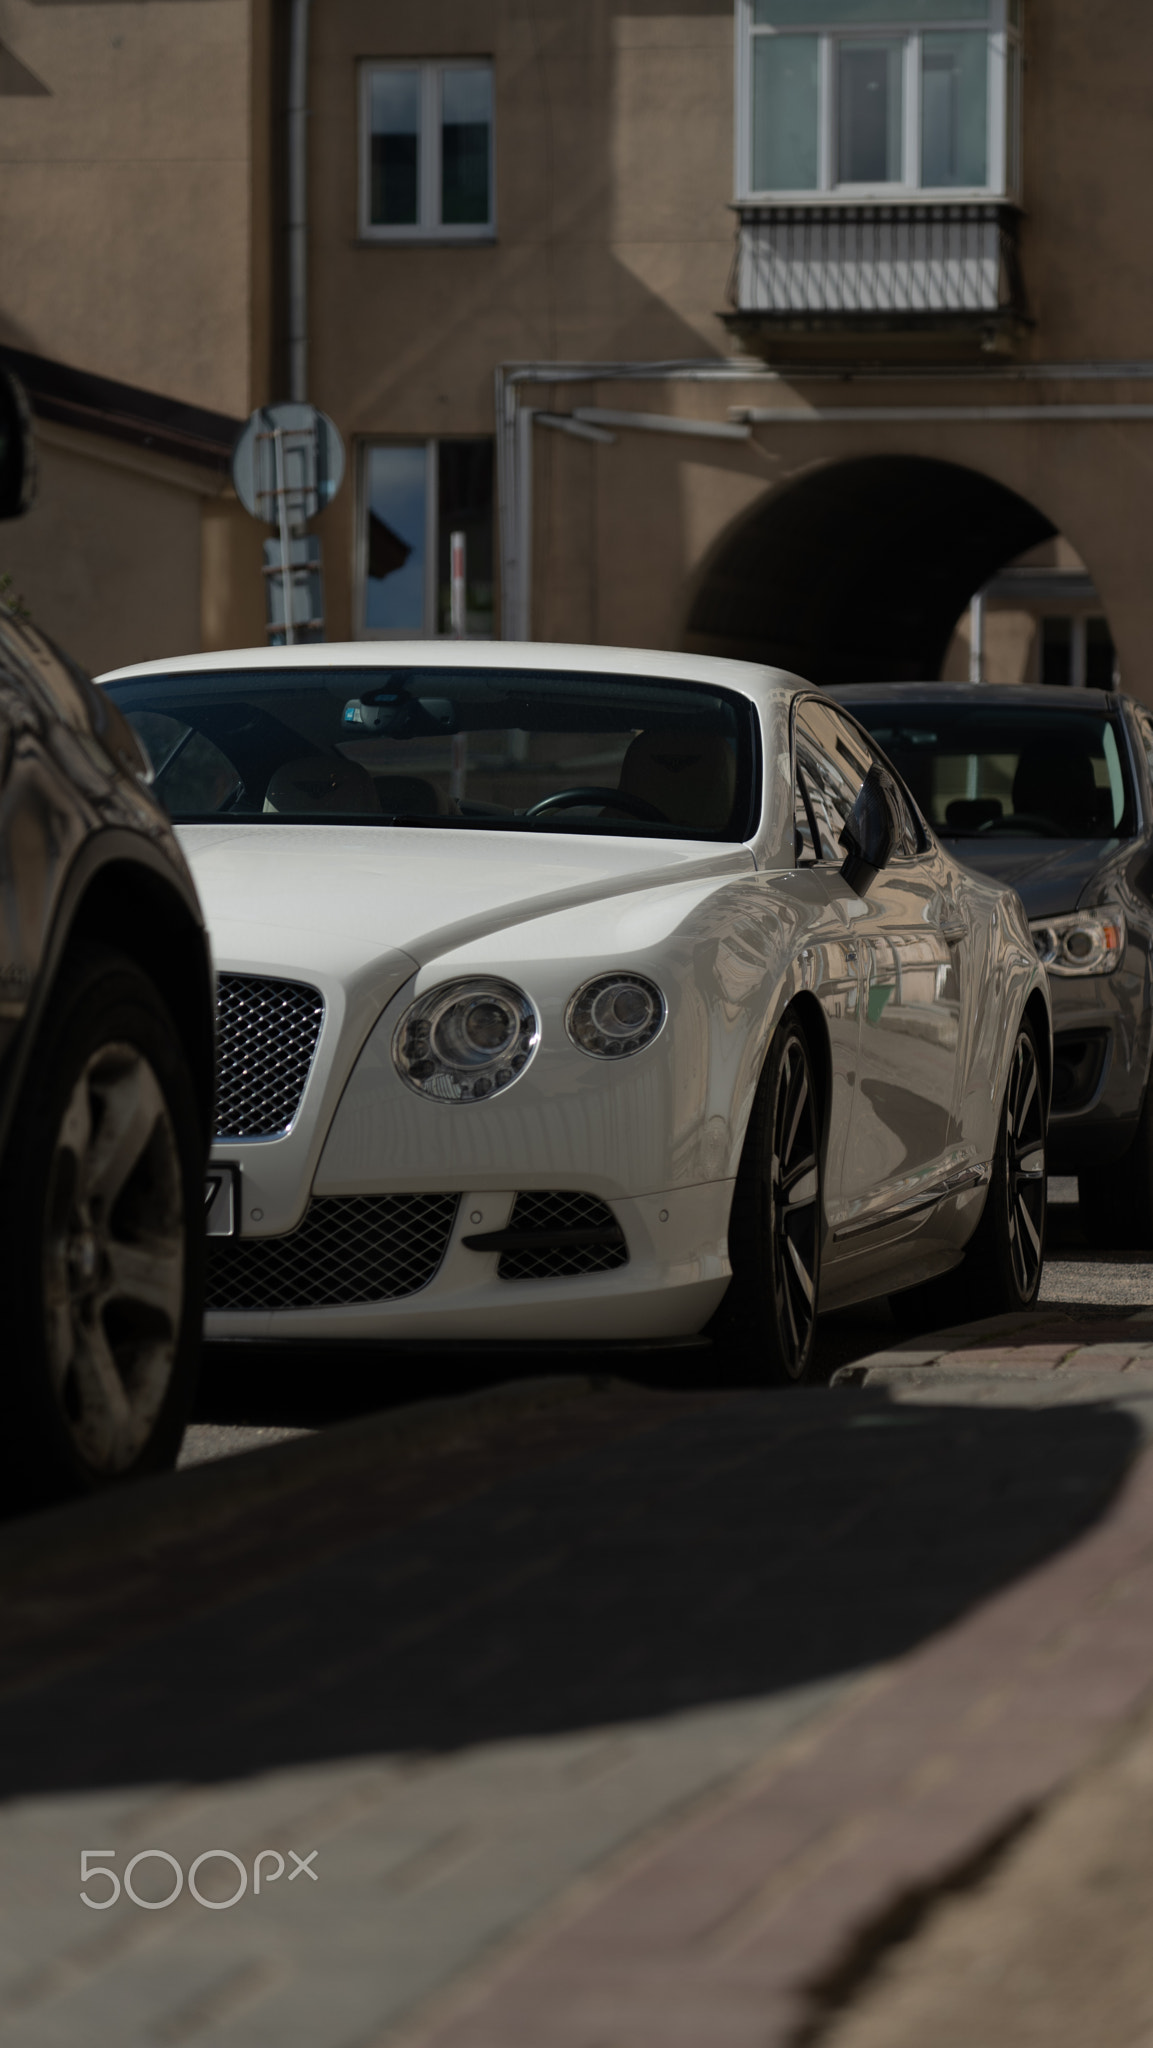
x=466, y=1041
x=615, y=1014
x=1086, y=942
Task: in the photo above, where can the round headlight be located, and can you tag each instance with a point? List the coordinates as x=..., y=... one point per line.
x=614, y=1015
x=466, y=1041
x=1084, y=942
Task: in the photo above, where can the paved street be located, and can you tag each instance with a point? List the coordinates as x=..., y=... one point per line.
x=616, y=1714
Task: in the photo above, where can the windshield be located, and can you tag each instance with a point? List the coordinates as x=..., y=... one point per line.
x=497, y=749
x=985, y=772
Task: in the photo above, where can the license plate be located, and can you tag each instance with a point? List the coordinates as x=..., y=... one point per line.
x=222, y=1200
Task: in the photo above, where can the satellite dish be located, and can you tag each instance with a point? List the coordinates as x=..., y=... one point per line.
x=288, y=464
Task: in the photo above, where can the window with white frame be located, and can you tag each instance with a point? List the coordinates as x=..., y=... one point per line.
x=426, y=151
x=414, y=495
x=877, y=99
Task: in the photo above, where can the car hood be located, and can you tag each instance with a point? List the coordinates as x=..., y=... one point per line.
x=332, y=898
x=1048, y=877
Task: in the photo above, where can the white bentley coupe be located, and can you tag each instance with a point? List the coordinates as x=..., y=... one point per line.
x=585, y=993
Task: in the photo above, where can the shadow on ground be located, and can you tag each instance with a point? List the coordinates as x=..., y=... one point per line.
x=731, y=1551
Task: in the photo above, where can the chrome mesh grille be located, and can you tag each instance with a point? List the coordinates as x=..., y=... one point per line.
x=348, y=1248
x=552, y=1213
x=266, y=1033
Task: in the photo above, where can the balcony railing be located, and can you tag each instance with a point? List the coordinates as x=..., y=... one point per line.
x=872, y=270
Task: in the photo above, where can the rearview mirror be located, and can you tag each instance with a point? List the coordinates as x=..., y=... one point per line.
x=871, y=830
x=17, y=464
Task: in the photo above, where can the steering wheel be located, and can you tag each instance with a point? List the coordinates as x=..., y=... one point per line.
x=1023, y=821
x=619, y=799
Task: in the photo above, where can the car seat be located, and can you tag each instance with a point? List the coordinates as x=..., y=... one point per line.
x=690, y=778
x=1057, y=784
x=400, y=793
x=318, y=784
x=969, y=813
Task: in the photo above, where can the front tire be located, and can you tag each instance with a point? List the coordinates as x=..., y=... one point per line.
x=770, y=1311
x=102, y=1215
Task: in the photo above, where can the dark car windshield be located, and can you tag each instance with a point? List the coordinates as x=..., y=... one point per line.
x=981, y=772
x=499, y=749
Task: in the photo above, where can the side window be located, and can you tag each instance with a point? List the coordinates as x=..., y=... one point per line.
x=832, y=765
x=806, y=849
x=833, y=759
x=196, y=776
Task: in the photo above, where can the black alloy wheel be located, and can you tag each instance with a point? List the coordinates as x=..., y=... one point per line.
x=1024, y=1165
x=1000, y=1270
x=102, y=1216
x=793, y=1207
x=769, y=1315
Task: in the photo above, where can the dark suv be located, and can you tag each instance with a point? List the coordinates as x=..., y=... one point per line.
x=106, y=1075
x=1052, y=791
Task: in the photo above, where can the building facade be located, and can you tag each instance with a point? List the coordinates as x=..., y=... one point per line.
x=810, y=331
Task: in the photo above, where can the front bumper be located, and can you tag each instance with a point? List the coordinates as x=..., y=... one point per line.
x=1102, y=1034
x=675, y=1276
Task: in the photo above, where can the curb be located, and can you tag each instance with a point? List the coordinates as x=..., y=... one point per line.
x=1047, y=1326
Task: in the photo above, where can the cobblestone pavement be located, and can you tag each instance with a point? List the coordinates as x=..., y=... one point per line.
x=1050, y=1948
x=614, y=1715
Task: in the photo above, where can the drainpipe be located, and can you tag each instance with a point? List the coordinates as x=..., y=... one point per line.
x=977, y=637
x=298, y=201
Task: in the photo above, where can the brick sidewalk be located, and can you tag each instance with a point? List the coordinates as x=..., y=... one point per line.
x=626, y=1720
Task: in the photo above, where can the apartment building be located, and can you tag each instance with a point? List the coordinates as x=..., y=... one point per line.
x=810, y=331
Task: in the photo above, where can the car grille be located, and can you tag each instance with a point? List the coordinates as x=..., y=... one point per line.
x=348, y=1248
x=266, y=1033
x=557, y=1214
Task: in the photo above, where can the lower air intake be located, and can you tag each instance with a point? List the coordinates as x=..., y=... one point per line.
x=595, y=1241
x=349, y=1248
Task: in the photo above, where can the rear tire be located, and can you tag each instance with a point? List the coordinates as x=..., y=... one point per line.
x=101, y=1213
x=1004, y=1259
x=1116, y=1201
x=770, y=1312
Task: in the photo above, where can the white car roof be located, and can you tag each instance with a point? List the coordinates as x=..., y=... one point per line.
x=750, y=679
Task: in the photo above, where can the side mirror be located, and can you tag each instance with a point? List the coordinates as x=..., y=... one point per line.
x=17, y=461
x=871, y=831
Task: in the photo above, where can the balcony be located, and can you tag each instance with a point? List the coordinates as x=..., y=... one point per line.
x=901, y=283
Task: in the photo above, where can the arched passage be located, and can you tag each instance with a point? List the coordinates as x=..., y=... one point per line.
x=859, y=570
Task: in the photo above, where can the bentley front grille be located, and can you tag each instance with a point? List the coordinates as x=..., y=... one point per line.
x=266, y=1033
x=348, y=1248
x=577, y=1233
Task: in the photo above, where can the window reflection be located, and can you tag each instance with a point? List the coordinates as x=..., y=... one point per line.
x=396, y=510
x=395, y=163
x=466, y=127
x=871, y=108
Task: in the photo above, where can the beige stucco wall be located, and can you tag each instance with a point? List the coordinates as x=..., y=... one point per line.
x=126, y=194
x=108, y=559
x=1088, y=178
x=136, y=230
